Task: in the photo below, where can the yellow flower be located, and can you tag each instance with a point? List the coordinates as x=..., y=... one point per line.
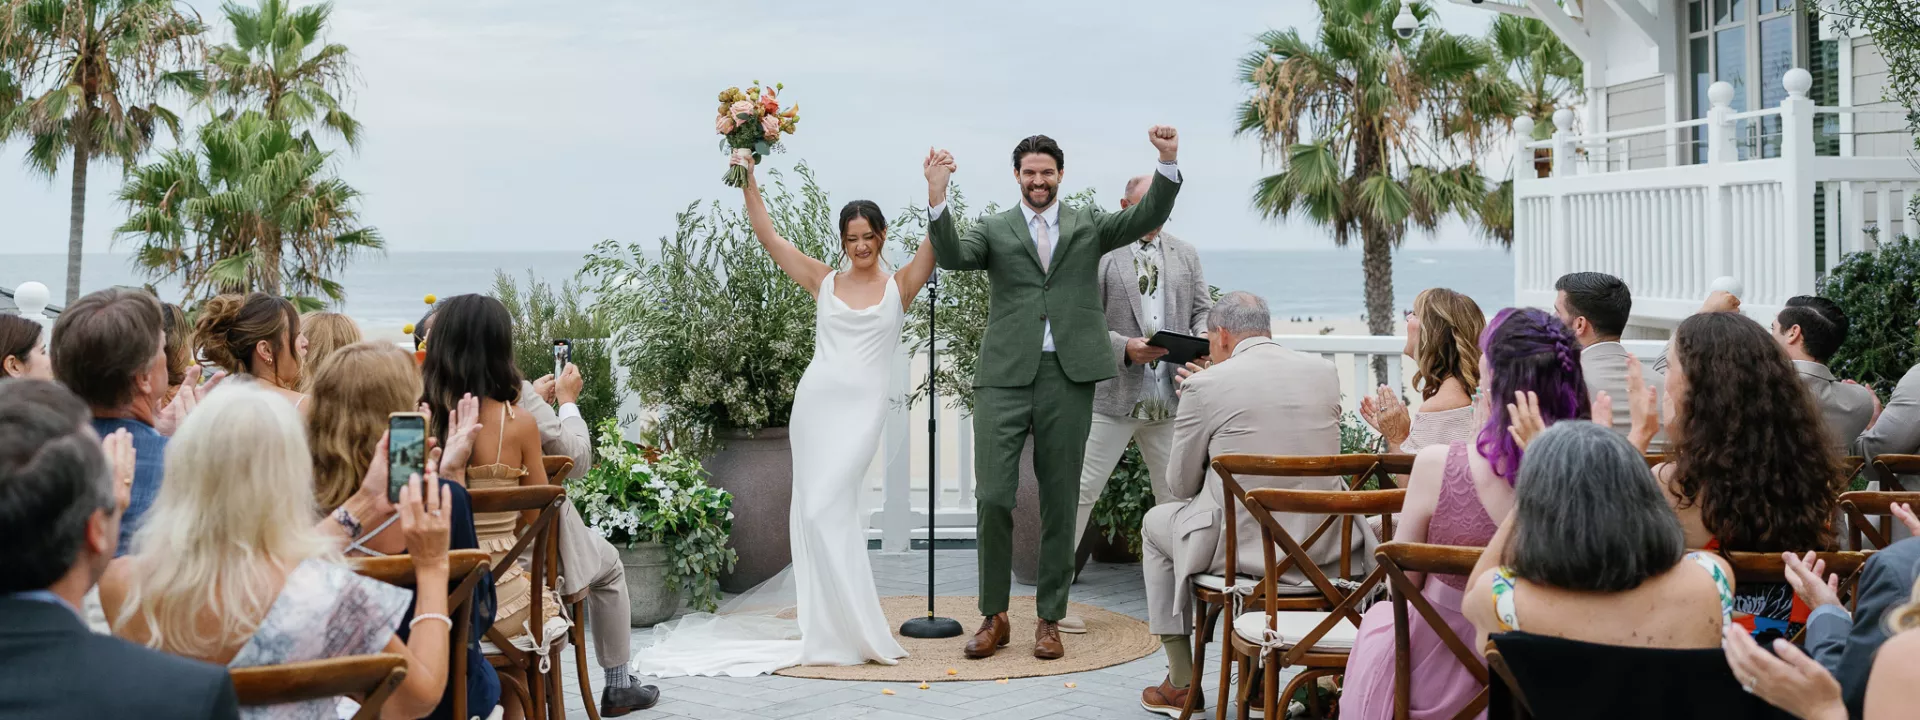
x=924, y=686
x=407, y=328
x=886, y=691
x=431, y=299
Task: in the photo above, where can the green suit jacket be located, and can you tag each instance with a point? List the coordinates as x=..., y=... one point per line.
x=1024, y=297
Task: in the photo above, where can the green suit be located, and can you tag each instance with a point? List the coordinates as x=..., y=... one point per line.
x=1020, y=389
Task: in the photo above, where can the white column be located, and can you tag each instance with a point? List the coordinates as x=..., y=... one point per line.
x=1796, y=147
x=1720, y=152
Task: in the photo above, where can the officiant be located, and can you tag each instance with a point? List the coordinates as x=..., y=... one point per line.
x=1151, y=285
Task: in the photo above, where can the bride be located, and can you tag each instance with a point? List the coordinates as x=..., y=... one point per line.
x=839, y=410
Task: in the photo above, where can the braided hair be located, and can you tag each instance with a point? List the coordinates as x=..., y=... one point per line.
x=1528, y=350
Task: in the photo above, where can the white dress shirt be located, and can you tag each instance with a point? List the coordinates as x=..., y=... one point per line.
x=1052, y=215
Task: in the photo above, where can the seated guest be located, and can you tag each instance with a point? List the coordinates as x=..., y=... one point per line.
x=326, y=332
x=1443, y=336
x=1895, y=430
x=1596, y=306
x=1256, y=397
x=1812, y=328
x=1593, y=552
x=1454, y=494
x=179, y=347
x=1751, y=467
x=108, y=348
x=59, y=518
x=352, y=395
x=1844, y=643
x=23, y=349
x=228, y=568
x=1793, y=682
x=256, y=335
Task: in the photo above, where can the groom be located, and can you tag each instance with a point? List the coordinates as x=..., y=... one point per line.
x=1045, y=348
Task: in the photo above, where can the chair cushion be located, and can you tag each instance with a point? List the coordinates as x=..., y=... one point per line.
x=1294, y=626
x=1218, y=583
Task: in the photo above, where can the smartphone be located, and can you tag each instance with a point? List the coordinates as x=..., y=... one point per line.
x=562, y=354
x=406, y=450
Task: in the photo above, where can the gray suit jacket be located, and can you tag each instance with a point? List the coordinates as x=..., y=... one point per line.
x=1265, y=400
x=1846, y=408
x=1188, y=300
x=51, y=667
x=1845, y=646
x=1604, y=366
x=567, y=436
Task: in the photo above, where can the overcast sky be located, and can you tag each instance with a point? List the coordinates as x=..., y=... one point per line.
x=496, y=125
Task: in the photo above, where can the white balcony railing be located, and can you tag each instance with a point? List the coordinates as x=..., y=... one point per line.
x=1670, y=231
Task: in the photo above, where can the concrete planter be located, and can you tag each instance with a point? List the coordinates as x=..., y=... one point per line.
x=647, y=595
x=757, y=469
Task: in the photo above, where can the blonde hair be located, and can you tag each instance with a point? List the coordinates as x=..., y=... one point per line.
x=326, y=332
x=1450, y=327
x=234, y=514
x=1907, y=616
x=351, y=396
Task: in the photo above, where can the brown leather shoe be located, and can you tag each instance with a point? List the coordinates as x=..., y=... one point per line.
x=1171, y=701
x=993, y=634
x=1046, y=641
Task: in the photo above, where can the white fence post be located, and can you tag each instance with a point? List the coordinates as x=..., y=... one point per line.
x=1796, y=147
x=1720, y=150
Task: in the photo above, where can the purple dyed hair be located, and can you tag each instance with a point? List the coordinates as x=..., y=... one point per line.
x=1528, y=349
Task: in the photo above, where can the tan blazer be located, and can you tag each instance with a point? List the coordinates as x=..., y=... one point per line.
x=1265, y=400
x=1846, y=408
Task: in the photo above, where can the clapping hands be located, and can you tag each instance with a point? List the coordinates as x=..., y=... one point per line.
x=464, y=425
x=1388, y=416
x=171, y=417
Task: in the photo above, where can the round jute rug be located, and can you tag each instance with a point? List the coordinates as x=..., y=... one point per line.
x=1111, y=639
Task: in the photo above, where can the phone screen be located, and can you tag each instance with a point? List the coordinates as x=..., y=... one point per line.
x=406, y=451
x=562, y=354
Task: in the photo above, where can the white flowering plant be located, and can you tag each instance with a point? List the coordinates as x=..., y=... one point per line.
x=639, y=495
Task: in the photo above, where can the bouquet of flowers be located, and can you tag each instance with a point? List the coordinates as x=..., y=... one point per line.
x=750, y=123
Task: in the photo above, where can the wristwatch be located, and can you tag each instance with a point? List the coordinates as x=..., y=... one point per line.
x=347, y=521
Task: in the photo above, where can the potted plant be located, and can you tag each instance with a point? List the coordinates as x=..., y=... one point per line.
x=1125, y=502
x=670, y=527
x=716, y=337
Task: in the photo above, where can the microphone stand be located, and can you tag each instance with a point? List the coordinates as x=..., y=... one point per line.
x=932, y=626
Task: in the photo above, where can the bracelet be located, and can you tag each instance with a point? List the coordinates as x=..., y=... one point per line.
x=432, y=616
x=347, y=521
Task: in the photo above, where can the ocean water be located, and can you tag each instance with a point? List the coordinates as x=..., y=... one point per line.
x=388, y=290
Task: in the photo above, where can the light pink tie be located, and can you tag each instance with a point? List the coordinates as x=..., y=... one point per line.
x=1042, y=238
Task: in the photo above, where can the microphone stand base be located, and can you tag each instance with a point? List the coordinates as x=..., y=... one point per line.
x=931, y=627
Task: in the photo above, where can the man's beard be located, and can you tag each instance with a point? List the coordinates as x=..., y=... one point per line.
x=1046, y=201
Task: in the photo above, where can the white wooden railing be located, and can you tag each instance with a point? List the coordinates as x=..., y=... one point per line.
x=1670, y=231
x=897, y=485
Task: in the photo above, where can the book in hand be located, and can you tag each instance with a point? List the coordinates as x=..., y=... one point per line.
x=1181, y=349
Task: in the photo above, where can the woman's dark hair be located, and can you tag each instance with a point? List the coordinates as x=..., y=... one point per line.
x=18, y=336
x=1528, y=349
x=179, y=345
x=1749, y=448
x=1043, y=145
x=471, y=352
x=1588, y=515
x=230, y=326
x=864, y=209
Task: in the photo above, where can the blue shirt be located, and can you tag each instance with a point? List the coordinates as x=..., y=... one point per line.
x=149, y=461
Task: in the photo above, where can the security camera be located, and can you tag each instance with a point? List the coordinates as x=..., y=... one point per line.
x=1404, y=24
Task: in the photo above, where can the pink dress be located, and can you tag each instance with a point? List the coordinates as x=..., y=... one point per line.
x=1441, y=685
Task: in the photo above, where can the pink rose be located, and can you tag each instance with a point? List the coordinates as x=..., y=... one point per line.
x=724, y=124
x=741, y=107
x=771, y=137
x=770, y=126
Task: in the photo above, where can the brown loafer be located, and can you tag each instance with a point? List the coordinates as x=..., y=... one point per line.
x=994, y=633
x=1171, y=701
x=1046, y=641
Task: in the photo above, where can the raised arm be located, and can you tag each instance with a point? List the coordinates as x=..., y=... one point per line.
x=951, y=251
x=803, y=269
x=1118, y=229
x=914, y=275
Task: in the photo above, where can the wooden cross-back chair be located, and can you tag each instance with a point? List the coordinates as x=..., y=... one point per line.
x=558, y=468
x=1863, y=507
x=371, y=678
x=464, y=570
x=1398, y=559
x=1769, y=567
x=1317, y=641
x=537, y=690
x=1889, y=468
x=1212, y=594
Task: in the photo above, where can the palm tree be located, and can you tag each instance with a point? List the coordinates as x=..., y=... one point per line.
x=99, y=68
x=1548, y=72
x=268, y=67
x=252, y=208
x=1374, y=132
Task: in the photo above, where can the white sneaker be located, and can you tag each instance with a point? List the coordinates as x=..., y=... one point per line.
x=1073, y=624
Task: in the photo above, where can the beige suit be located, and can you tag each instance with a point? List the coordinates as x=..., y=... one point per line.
x=587, y=560
x=1264, y=400
x=1604, y=367
x=1846, y=408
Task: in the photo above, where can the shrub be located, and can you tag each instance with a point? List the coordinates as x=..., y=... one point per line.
x=1878, y=291
x=539, y=317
